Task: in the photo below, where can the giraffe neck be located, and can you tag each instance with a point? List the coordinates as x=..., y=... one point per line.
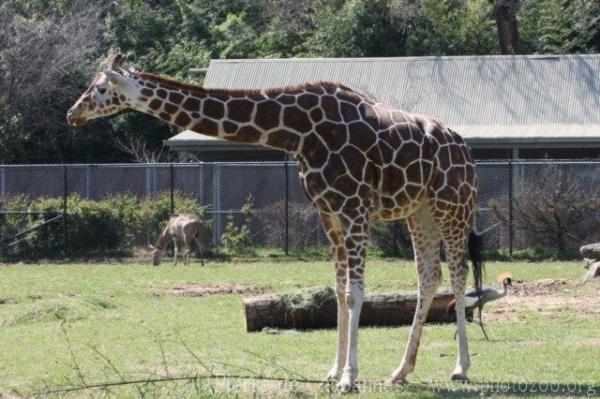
x=274, y=118
x=163, y=239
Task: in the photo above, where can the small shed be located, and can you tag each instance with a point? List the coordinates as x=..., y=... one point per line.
x=192, y=146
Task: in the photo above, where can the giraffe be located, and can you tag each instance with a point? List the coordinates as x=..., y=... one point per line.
x=358, y=161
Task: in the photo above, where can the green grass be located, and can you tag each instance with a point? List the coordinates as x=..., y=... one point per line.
x=58, y=322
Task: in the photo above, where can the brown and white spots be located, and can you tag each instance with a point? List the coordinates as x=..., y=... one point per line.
x=359, y=161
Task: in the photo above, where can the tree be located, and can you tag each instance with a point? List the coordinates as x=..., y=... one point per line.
x=560, y=27
x=44, y=64
x=370, y=28
x=451, y=27
x=506, y=21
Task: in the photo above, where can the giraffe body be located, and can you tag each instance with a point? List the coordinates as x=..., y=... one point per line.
x=358, y=161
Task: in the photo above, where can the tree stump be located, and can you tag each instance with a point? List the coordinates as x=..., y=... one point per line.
x=377, y=310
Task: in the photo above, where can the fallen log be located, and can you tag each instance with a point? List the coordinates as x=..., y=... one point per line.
x=317, y=309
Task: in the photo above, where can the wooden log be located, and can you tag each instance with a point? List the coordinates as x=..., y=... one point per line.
x=377, y=310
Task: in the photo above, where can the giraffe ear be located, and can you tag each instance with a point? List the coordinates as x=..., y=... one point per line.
x=117, y=62
x=115, y=78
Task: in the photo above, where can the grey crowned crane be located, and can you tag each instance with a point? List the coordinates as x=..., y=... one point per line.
x=473, y=298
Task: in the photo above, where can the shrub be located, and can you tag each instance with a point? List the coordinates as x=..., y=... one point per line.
x=113, y=223
x=555, y=209
x=304, y=226
x=391, y=239
x=237, y=240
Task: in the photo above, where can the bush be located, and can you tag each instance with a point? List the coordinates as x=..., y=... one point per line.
x=121, y=222
x=304, y=226
x=391, y=239
x=556, y=209
x=236, y=240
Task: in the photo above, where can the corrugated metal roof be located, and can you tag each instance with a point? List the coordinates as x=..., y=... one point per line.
x=189, y=140
x=474, y=134
x=459, y=91
x=188, y=135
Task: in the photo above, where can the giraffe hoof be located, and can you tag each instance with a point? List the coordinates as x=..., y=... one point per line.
x=329, y=380
x=345, y=388
x=459, y=377
x=391, y=382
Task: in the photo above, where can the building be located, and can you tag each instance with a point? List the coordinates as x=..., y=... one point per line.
x=525, y=106
x=192, y=146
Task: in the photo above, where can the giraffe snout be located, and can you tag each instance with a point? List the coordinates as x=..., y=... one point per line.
x=75, y=117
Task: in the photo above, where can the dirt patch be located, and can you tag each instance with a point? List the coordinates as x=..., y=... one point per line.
x=199, y=290
x=545, y=286
x=7, y=301
x=548, y=297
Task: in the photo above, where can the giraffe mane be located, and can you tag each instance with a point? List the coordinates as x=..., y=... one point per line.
x=175, y=84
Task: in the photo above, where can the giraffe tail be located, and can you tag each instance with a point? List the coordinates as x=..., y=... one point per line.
x=475, y=249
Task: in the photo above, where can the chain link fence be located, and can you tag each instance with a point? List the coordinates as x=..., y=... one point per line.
x=553, y=205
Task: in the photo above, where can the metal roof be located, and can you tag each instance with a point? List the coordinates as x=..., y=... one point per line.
x=560, y=134
x=511, y=93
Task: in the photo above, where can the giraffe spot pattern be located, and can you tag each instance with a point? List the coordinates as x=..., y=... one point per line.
x=358, y=161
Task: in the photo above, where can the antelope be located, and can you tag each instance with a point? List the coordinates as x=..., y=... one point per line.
x=182, y=229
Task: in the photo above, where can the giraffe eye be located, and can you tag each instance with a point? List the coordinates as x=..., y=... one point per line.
x=101, y=90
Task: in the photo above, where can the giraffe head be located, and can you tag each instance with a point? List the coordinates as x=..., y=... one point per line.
x=111, y=91
x=156, y=254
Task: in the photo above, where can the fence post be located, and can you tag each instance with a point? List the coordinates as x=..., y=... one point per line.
x=287, y=202
x=200, y=193
x=216, y=204
x=510, y=208
x=172, y=174
x=3, y=182
x=148, y=181
x=88, y=183
x=65, y=196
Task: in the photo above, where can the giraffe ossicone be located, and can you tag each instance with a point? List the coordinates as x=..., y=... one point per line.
x=358, y=161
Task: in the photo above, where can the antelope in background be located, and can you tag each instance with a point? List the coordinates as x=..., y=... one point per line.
x=181, y=229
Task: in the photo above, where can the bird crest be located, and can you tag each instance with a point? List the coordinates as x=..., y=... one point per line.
x=502, y=276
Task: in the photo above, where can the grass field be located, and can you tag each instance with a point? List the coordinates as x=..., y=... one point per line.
x=68, y=325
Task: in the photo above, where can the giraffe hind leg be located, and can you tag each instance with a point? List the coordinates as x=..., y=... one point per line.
x=455, y=254
x=426, y=239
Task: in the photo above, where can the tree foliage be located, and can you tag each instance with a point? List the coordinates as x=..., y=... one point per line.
x=48, y=49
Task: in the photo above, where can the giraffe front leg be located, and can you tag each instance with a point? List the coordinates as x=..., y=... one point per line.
x=331, y=225
x=354, y=300
x=174, y=252
x=342, y=325
x=186, y=252
x=355, y=244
